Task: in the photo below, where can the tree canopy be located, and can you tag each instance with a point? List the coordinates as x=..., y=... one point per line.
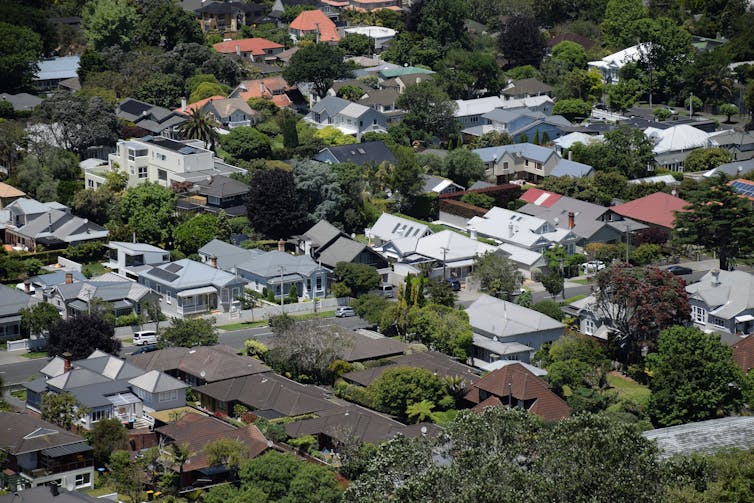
x=497, y=275
x=20, y=49
x=188, y=333
x=274, y=207
x=428, y=109
x=319, y=64
x=80, y=335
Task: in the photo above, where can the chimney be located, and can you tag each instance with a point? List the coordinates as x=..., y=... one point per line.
x=238, y=50
x=261, y=87
x=716, y=275
x=472, y=232
x=213, y=261
x=571, y=220
x=570, y=155
x=67, y=361
x=183, y=104
x=281, y=245
x=27, y=287
x=510, y=230
x=68, y=278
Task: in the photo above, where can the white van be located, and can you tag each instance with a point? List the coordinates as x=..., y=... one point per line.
x=145, y=337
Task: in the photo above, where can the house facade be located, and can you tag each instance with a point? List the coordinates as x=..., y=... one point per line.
x=348, y=117
x=124, y=259
x=723, y=302
x=125, y=296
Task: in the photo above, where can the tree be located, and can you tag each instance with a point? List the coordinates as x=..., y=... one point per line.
x=360, y=278
x=66, y=114
x=463, y=166
x=469, y=74
x=694, y=378
x=397, y=388
x=639, y=302
x=553, y=283
x=38, y=319
x=272, y=473
x=445, y=329
x=623, y=95
x=314, y=484
x=572, y=109
x=662, y=113
x=330, y=135
x=618, y=27
x=200, y=230
x=442, y=21
x=549, y=308
x=420, y=411
x=227, y=493
x=719, y=219
x=125, y=475
x=160, y=90
x=20, y=49
x=356, y=44
x=370, y=307
x=729, y=110
x=428, y=109
x=189, y=333
x=319, y=191
x=149, y=209
x=110, y=23
x=246, y=143
x=273, y=206
x=497, y=275
x=306, y=349
x=568, y=56
x=521, y=41
x=491, y=139
x=106, y=437
x=226, y=452
x=441, y=293
x=82, y=334
x=350, y=92
x=200, y=125
x=694, y=104
x=404, y=178
x=626, y=150
x=61, y=409
x=165, y=24
x=319, y=64
x=704, y=159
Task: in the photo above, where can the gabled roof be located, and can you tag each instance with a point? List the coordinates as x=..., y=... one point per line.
x=256, y=46
x=451, y=246
x=727, y=296
x=478, y=106
x=229, y=256
x=565, y=167
x=225, y=107
x=658, y=209
x=134, y=248
x=59, y=68
x=268, y=265
x=526, y=150
x=704, y=436
x=529, y=86
x=389, y=227
x=13, y=300
x=500, y=318
x=222, y=186
x=345, y=249
x=437, y=184
x=7, y=191
x=186, y=273
x=21, y=101
x=371, y=152
x=322, y=233
x=539, y=197
x=316, y=20
x=677, y=138
x=155, y=381
x=516, y=227
x=21, y=433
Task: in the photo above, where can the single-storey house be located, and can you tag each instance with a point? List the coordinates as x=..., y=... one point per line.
x=391, y=227
x=255, y=49
x=372, y=153
x=11, y=302
x=125, y=296
x=654, y=210
x=723, y=302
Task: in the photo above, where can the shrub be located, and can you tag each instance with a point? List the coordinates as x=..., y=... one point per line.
x=128, y=320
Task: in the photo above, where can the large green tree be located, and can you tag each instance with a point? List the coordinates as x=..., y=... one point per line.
x=463, y=167
x=199, y=230
x=188, y=333
x=445, y=329
x=201, y=126
x=106, y=437
x=443, y=21
x=165, y=23
x=125, y=475
x=704, y=159
x=38, y=318
x=149, y=209
x=62, y=409
x=719, y=219
x=521, y=41
x=429, y=110
x=110, y=23
x=246, y=143
x=274, y=208
x=619, y=26
x=319, y=64
x=65, y=113
x=397, y=388
x=497, y=275
x=693, y=378
x=20, y=49
x=470, y=74
x=360, y=278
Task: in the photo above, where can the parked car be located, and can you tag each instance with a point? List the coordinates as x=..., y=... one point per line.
x=148, y=348
x=593, y=266
x=679, y=270
x=455, y=285
x=145, y=337
x=344, y=312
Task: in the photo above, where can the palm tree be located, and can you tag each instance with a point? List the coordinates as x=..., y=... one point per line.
x=200, y=126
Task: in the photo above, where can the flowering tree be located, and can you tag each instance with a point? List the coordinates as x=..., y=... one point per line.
x=638, y=302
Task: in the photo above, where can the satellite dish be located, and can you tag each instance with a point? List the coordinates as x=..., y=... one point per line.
x=202, y=374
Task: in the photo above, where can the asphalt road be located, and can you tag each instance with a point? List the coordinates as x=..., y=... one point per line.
x=17, y=373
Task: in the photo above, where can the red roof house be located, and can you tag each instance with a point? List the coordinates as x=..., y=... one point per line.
x=274, y=88
x=253, y=48
x=314, y=22
x=540, y=197
x=655, y=209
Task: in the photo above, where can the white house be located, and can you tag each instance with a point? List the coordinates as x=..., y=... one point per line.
x=123, y=256
x=610, y=66
x=348, y=117
x=522, y=230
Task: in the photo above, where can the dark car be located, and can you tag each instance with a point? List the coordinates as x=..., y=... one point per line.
x=147, y=348
x=679, y=270
x=455, y=285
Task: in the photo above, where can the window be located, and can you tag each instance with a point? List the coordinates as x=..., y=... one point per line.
x=698, y=314
x=83, y=479
x=589, y=326
x=505, y=165
x=100, y=414
x=167, y=396
x=718, y=322
x=162, y=174
x=319, y=282
x=143, y=172
x=539, y=166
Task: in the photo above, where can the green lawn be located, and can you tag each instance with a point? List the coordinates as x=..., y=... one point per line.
x=573, y=299
x=261, y=323
x=20, y=394
x=581, y=281
x=629, y=389
x=35, y=354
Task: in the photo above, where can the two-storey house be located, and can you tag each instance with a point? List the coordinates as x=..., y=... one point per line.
x=350, y=118
x=125, y=258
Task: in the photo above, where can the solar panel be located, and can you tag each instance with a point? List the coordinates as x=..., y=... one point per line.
x=173, y=268
x=163, y=274
x=185, y=150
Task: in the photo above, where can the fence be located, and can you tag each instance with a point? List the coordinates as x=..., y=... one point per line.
x=263, y=313
x=27, y=344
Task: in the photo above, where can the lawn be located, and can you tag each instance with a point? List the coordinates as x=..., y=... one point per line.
x=35, y=354
x=629, y=388
x=584, y=281
x=263, y=323
x=20, y=394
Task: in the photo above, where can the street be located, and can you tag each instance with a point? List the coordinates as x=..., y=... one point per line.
x=17, y=373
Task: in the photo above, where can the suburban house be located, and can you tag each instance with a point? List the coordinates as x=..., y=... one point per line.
x=507, y=331
x=440, y=185
x=522, y=124
x=438, y=363
x=126, y=259
x=740, y=145
x=515, y=386
x=195, y=431
x=231, y=112
x=654, y=210
x=525, y=88
x=723, y=302
x=274, y=88
x=590, y=317
x=46, y=494
x=567, y=141
x=328, y=245
x=527, y=261
x=732, y=169
x=469, y=112
x=163, y=161
x=28, y=223
x=38, y=285
x=373, y=153
x=151, y=119
x=199, y=365
x=51, y=71
x=674, y=144
x=125, y=296
x=316, y=24
x=390, y=228
x=220, y=193
x=610, y=66
x=744, y=188
x=526, y=161
x=522, y=230
x=255, y=49
x=38, y=453
x=591, y=223
x=109, y=387
x=188, y=287
x=348, y=117
x=228, y=17
x=8, y=194
x=11, y=302
x=380, y=35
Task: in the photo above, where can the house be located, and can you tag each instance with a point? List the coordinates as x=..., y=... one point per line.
x=124, y=256
x=704, y=437
x=740, y=145
x=391, y=227
x=515, y=386
x=610, y=66
x=38, y=285
x=525, y=88
x=199, y=365
x=125, y=296
x=109, y=388
x=227, y=17
x=220, y=193
x=673, y=145
x=348, y=117
x=46, y=494
x=592, y=320
x=21, y=102
x=439, y=185
x=523, y=161
x=11, y=302
x=231, y=112
x=583, y=41
x=274, y=88
x=195, y=431
x=188, y=287
x=732, y=169
x=163, y=161
x=255, y=49
x=507, y=331
x=591, y=223
x=329, y=245
x=522, y=230
x=380, y=35
x=29, y=223
x=226, y=256
x=151, y=119
x=744, y=188
x=8, y=194
x=438, y=363
x=526, y=261
x=723, y=302
x=469, y=112
x=316, y=24
x=372, y=153
x=655, y=210
x=567, y=141
x=38, y=453
x=522, y=124
x=54, y=70
x=364, y=345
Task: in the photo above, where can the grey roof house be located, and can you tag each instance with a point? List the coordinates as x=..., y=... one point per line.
x=390, y=227
x=151, y=118
x=54, y=70
x=127, y=259
x=21, y=102
x=527, y=161
x=109, y=387
x=232, y=112
x=723, y=302
x=440, y=185
x=125, y=296
x=507, y=331
x=220, y=193
x=11, y=302
x=350, y=118
x=372, y=152
x=328, y=245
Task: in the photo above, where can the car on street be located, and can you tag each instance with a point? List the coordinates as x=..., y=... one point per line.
x=145, y=337
x=593, y=266
x=147, y=348
x=679, y=270
x=344, y=312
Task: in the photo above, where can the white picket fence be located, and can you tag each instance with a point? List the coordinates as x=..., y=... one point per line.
x=27, y=344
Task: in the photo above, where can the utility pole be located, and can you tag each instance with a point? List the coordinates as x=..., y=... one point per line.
x=628, y=239
x=444, y=255
x=691, y=104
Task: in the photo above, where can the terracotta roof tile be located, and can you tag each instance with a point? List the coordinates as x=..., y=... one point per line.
x=658, y=209
x=255, y=46
x=316, y=20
